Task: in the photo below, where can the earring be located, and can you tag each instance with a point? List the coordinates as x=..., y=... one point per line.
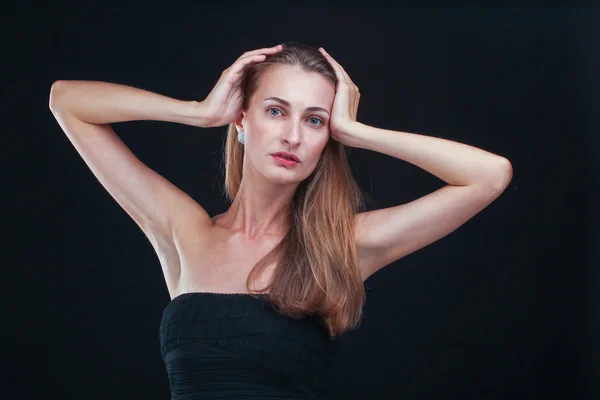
x=241, y=136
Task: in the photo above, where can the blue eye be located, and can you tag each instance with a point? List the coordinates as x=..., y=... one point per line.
x=318, y=119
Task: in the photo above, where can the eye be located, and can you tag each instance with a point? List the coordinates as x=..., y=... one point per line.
x=317, y=119
x=278, y=113
x=270, y=113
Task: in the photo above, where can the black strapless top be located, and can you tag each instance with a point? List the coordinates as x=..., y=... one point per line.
x=235, y=346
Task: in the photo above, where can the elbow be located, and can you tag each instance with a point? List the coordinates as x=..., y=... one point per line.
x=55, y=93
x=506, y=170
x=502, y=176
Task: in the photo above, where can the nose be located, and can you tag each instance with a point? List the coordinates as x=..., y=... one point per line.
x=293, y=134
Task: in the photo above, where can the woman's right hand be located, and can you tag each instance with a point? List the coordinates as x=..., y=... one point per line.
x=224, y=102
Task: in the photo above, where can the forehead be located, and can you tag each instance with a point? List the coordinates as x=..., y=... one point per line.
x=299, y=87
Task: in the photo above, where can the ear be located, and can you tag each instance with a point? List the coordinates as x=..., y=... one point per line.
x=239, y=121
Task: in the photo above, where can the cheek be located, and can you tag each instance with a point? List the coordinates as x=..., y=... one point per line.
x=317, y=150
x=324, y=140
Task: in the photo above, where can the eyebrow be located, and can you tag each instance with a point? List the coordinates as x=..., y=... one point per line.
x=288, y=104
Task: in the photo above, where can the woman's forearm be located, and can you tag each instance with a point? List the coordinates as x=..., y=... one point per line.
x=104, y=103
x=453, y=162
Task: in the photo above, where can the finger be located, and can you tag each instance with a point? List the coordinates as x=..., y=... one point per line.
x=339, y=71
x=265, y=50
x=343, y=71
x=337, y=67
x=253, y=56
x=243, y=62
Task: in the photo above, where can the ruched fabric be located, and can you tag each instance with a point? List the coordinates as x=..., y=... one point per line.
x=235, y=346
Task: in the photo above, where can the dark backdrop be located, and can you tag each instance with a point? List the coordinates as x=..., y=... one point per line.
x=505, y=307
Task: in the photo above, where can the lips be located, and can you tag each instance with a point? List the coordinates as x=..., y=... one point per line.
x=288, y=156
x=284, y=161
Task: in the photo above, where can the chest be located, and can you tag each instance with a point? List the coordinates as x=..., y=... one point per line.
x=221, y=263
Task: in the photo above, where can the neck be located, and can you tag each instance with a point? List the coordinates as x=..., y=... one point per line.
x=263, y=211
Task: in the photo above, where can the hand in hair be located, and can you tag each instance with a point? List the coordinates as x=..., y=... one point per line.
x=345, y=103
x=224, y=102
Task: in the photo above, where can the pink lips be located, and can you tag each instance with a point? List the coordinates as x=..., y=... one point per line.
x=281, y=160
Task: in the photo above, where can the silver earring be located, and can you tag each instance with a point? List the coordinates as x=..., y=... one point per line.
x=241, y=136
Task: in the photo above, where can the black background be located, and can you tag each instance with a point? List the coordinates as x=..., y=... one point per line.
x=505, y=307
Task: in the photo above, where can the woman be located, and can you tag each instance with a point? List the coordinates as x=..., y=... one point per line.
x=260, y=292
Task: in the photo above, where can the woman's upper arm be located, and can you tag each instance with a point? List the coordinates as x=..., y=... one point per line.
x=153, y=202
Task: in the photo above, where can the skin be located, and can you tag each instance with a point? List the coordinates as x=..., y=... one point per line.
x=261, y=208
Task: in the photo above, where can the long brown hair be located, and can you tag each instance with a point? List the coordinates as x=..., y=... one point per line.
x=318, y=272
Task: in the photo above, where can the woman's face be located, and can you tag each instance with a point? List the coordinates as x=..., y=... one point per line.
x=288, y=112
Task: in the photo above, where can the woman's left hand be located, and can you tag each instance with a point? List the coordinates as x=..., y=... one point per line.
x=345, y=104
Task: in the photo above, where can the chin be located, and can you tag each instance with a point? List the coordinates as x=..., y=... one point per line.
x=285, y=177
x=285, y=180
